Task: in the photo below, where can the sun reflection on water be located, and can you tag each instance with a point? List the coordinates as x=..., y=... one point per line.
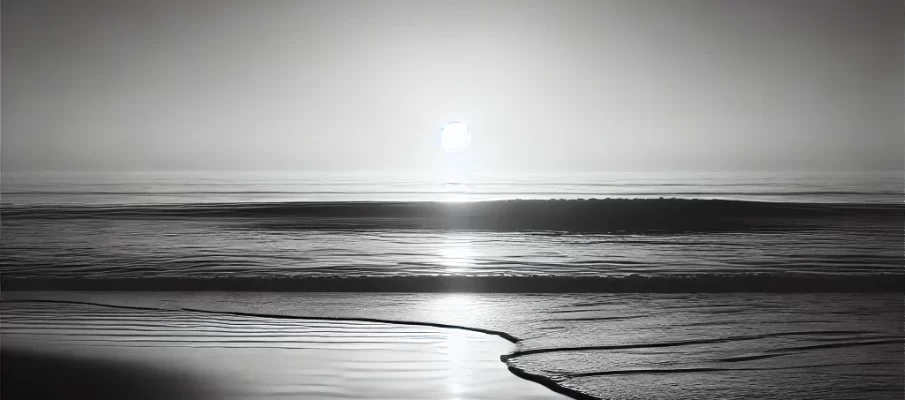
x=463, y=308
x=457, y=255
x=457, y=358
x=457, y=306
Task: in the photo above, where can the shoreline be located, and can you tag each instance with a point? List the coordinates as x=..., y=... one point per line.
x=83, y=363
x=532, y=354
x=540, y=379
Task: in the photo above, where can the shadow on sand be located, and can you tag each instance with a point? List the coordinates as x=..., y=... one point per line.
x=28, y=374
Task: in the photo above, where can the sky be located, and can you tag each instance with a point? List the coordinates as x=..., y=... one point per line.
x=544, y=86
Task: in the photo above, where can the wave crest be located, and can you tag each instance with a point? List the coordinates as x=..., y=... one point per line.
x=595, y=215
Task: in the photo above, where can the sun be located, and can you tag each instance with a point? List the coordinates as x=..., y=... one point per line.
x=455, y=137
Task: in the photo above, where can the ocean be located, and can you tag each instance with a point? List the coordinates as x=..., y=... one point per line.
x=257, y=226
x=711, y=285
x=230, y=187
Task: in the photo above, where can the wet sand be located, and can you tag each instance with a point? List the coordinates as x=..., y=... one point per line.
x=57, y=351
x=754, y=345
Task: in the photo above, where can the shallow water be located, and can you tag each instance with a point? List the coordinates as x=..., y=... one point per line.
x=625, y=346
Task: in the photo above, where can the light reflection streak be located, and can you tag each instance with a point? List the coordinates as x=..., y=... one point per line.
x=458, y=350
x=456, y=254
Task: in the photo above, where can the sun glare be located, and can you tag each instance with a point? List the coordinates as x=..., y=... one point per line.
x=456, y=254
x=455, y=137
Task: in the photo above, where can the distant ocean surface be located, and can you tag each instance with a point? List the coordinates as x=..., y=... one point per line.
x=179, y=225
x=229, y=187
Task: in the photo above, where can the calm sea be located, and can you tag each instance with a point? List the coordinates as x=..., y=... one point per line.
x=208, y=187
x=40, y=242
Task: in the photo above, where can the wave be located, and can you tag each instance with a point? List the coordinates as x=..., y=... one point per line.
x=651, y=192
x=693, y=283
x=594, y=215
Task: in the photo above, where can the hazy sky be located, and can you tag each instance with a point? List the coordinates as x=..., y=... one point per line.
x=544, y=86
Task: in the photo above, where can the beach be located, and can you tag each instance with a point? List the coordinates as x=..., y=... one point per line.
x=420, y=200
x=50, y=349
x=585, y=346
